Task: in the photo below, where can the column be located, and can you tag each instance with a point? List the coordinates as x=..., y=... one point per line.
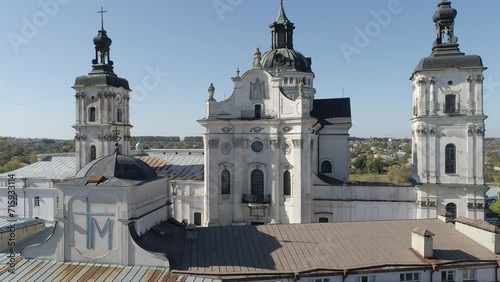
x=126, y=111
x=240, y=184
x=276, y=196
x=104, y=105
x=479, y=95
x=78, y=114
x=83, y=110
x=112, y=109
x=432, y=96
x=432, y=154
x=480, y=155
x=422, y=97
x=299, y=193
x=468, y=90
x=471, y=167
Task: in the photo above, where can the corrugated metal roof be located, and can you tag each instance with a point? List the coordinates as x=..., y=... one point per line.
x=274, y=249
x=179, y=164
x=5, y=222
x=44, y=270
x=55, y=167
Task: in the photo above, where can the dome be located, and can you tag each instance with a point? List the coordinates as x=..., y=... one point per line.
x=118, y=166
x=102, y=39
x=445, y=13
x=286, y=60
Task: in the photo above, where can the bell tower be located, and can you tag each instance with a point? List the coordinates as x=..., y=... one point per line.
x=448, y=126
x=102, y=107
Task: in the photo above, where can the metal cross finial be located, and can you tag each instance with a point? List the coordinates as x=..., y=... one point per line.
x=282, y=3
x=102, y=17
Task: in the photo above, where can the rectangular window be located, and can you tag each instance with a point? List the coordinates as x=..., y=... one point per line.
x=415, y=276
x=469, y=275
x=37, y=201
x=366, y=278
x=450, y=104
x=447, y=275
x=320, y=280
x=197, y=219
x=258, y=111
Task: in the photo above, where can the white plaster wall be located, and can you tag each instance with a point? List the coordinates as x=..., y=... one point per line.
x=454, y=129
x=443, y=195
x=365, y=193
x=333, y=145
x=489, y=240
x=147, y=197
x=344, y=211
x=188, y=199
x=361, y=203
x=154, y=218
x=25, y=202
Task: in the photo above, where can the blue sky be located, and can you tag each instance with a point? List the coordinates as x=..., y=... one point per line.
x=184, y=45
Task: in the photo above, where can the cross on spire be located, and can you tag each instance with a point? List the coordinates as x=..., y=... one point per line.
x=102, y=17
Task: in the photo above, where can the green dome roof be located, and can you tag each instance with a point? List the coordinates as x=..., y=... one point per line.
x=285, y=59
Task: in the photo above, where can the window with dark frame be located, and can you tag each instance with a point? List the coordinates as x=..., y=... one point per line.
x=225, y=179
x=257, y=183
x=197, y=218
x=287, y=183
x=37, y=201
x=447, y=275
x=452, y=208
x=450, y=159
x=92, y=114
x=326, y=167
x=258, y=111
x=93, y=153
x=450, y=104
x=119, y=115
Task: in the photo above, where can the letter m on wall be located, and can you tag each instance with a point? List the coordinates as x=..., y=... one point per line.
x=107, y=228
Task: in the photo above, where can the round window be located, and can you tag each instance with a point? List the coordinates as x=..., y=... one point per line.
x=257, y=146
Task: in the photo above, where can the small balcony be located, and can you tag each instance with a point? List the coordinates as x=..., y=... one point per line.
x=256, y=200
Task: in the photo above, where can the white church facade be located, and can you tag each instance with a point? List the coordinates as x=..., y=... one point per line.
x=273, y=155
x=276, y=154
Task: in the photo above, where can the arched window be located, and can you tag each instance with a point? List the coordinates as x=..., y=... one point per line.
x=287, y=183
x=326, y=167
x=452, y=208
x=450, y=159
x=323, y=219
x=92, y=114
x=258, y=111
x=92, y=153
x=257, y=183
x=119, y=115
x=225, y=182
x=197, y=218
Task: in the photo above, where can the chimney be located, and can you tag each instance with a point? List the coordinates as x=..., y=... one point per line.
x=446, y=216
x=421, y=241
x=191, y=232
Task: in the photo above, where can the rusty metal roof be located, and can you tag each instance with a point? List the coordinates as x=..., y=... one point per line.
x=278, y=249
x=179, y=166
x=32, y=270
x=479, y=223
